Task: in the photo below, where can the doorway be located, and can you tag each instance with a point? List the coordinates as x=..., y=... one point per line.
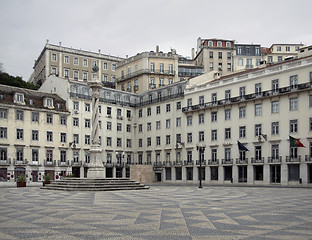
x=242, y=174
x=76, y=172
x=275, y=173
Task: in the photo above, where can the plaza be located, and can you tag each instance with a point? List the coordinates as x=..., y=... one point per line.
x=162, y=212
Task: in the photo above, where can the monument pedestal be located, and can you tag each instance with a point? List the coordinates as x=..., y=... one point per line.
x=96, y=167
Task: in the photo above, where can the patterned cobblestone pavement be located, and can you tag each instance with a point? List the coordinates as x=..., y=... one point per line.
x=162, y=212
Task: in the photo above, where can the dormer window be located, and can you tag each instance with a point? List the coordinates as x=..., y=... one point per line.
x=59, y=106
x=228, y=44
x=210, y=43
x=49, y=102
x=19, y=98
x=31, y=102
x=219, y=44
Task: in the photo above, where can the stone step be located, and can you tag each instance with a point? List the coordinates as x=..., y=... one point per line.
x=85, y=184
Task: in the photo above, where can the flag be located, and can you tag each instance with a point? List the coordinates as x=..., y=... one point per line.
x=241, y=146
x=294, y=142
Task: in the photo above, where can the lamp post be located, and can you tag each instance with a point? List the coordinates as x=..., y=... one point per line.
x=200, y=148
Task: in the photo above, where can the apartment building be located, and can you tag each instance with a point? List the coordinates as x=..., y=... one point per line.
x=246, y=56
x=215, y=55
x=74, y=64
x=280, y=52
x=147, y=70
x=33, y=134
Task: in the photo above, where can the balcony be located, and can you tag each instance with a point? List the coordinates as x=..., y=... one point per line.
x=227, y=161
x=76, y=163
x=63, y=163
x=145, y=71
x=257, y=160
x=19, y=162
x=203, y=162
x=275, y=160
x=249, y=97
x=177, y=163
x=108, y=164
x=291, y=159
x=167, y=163
x=34, y=163
x=241, y=161
x=213, y=162
x=5, y=162
x=308, y=158
x=49, y=163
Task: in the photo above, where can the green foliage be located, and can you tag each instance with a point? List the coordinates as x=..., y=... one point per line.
x=9, y=80
x=21, y=178
x=47, y=178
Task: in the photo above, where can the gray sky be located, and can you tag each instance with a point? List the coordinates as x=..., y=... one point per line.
x=126, y=27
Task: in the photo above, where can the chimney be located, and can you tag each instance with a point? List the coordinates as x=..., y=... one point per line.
x=157, y=48
x=193, y=53
x=60, y=43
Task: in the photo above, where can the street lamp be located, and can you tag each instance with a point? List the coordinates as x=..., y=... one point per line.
x=201, y=149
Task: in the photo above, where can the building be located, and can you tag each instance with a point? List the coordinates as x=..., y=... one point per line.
x=247, y=56
x=74, y=64
x=33, y=134
x=147, y=70
x=280, y=52
x=215, y=55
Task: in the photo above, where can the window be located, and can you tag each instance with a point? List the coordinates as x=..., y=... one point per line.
x=258, y=89
x=85, y=76
x=167, y=139
x=227, y=95
x=4, y=112
x=201, y=118
x=278, y=48
x=201, y=100
x=152, y=67
x=140, y=127
x=275, y=85
x=293, y=126
x=87, y=123
x=227, y=152
x=76, y=73
x=113, y=67
x=20, y=115
x=128, y=143
x=275, y=107
x=19, y=134
x=19, y=154
x=293, y=81
x=179, y=104
x=214, y=116
x=108, y=141
x=310, y=101
x=275, y=128
x=53, y=57
x=227, y=114
x=149, y=111
x=310, y=127
x=4, y=132
x=149, y=126
x=63, y=137
x=157, y=125
x=35, y=116
x=34, y=155
x=178, y=138
x=66, y=59
x=189, y=102
x=140, y=113
x=242, y=131
x=242, y=112
x=274, y=151
x=76, y=61
x=158, y=141
x=258, y=128
x=178, y=122
x=168, y=123
x=140, y=142
x=149, y=142
x=158, y=110
x=129, y=128
x=85, y=62
x=128, y=114
x=189, y=120
x=161, y=68
x=119, y=127
x=211, y=66
x=118, y=112
x=201, y=136
x=189, y=137
x=242, y=91
x=227, y=133
x=87, y=107
x=76, y=106
x=49, y=102
x=49, y=136
x=211, y=55
x=293, y=104
x=239, y=51
x=258, y=109
x=168, y=108
x=35, y=135
x=240, y=62
x=109, y=125
x=219, y=55
x=258, y=152
x=214, y=98
x=76, y=122
x=63, y=120
x=66, y=73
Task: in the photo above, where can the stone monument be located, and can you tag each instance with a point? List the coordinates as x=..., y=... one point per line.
x=96, y=167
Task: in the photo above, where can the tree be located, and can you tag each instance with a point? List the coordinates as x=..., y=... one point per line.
x=9, y=80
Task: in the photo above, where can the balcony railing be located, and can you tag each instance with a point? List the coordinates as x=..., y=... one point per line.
x=76, y=163
x=308, y=158
x=145, y=71
x=213, y=162
x=190, y=163
x=48, y=163
x=63, y=163
x=257, y=160
x=5, y=162
x=177, y=163
x=248, y=97
x=227, y=161
x=20, y=161
x=275, y=160
x=241, y=161
x=203, y=162
x=291, y=159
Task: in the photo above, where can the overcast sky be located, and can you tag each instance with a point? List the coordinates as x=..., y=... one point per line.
x=126, y=27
